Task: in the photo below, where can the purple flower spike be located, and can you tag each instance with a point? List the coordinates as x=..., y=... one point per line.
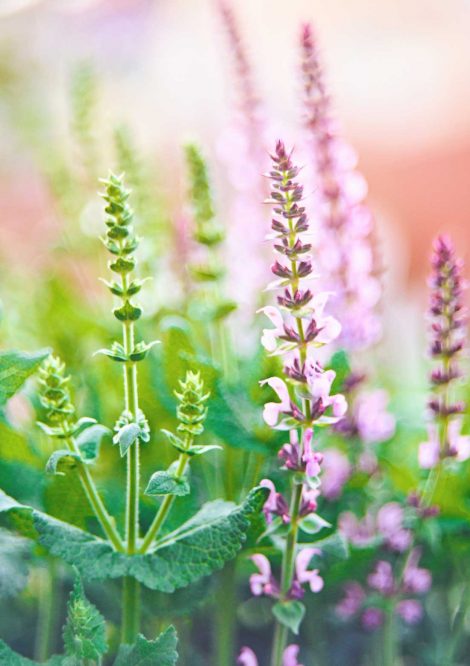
x=372, y=619
x=275, y=504
x=305, y=575
x=290, y=656
x=347, y=251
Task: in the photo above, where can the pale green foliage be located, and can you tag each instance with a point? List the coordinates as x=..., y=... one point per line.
x=160, y=652
x=15, y=368
x=85, y=629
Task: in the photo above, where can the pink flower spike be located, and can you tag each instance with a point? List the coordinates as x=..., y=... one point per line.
x=339, y=405
x=372, y=619
x=272, y=410
x=247, y=657
x=290, y=655
x=428, y=453
x=305, y=575
x=263, y=582
x=354, y=595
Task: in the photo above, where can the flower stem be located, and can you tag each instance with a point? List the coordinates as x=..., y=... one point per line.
x=389, y=643
x=93, y=496
x=130, y=609
x=164, y=509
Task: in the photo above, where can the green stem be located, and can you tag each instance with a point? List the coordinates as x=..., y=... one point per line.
x=47, y=613
x=99, y=509
x=225, y=616
x=131, y=397
x=130, y=609
x=389, y=643
x=164, y=509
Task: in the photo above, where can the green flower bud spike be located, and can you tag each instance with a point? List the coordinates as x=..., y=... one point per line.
x=62, y=424
x=132, y=427
x=191, y=413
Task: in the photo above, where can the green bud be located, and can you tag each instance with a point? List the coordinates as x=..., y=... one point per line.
x=54, y=393
x=191, y=411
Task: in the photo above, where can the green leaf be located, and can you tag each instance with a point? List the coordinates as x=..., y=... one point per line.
x=62, y=461
x=89, y=441
x=126, y=436
x=197, y=548
x=141, y=350
x=160, y=652
x=166, y=483
x=10, y=658
x=175, y=441
x=290, y=614
x=82, y=424
x=335, y=546
x=15, y=368
x=313, y=523
x=199, y=449
x=13, y=568
x=127, y=312
x=85, y=630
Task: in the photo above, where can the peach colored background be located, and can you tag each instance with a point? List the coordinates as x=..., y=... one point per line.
x=399, y=71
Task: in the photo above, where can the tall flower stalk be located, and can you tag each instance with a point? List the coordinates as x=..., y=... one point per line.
x=447, y=325
x=131, y=428
x=300, y=327
x=347, y=249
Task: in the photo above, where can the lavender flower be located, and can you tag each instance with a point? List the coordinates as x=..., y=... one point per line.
x=347, y=250
x=447, y=316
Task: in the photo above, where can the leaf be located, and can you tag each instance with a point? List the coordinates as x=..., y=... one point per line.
x=160, y=652
x=85, y=630
x=313, y=523
x=62, y=461
x=166, y=483
x=199, y=449
x=197, y=548
x=10, y=658
x=335, y=546
x=175, y=441
x=13, y=569
x=89, y=441
x=290, y=614
x=15, y=368
x=126, y=436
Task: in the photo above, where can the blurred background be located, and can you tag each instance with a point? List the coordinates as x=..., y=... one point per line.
x=399, y=71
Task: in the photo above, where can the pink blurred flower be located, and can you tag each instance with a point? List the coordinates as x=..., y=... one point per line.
x=351, y=602
x=247, y=657
x=390, y=525
x=415, y=579
x=372, y=618
x=336, y=471
x=428, y=452
x=410, y=610
x=381, y=579
x=290, y=656
x=374, y=423
x=358, y=532
x=459, y=445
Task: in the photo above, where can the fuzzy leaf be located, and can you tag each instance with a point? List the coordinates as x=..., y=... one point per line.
x=199, y=449
x=197, y=548
x=126, y=436
x=85, y=630
x=175, y=441
x=10, y=658
x=82, y=424
x=313, y=523
x=290, y=614
x=89, y=441
x=15, y=368
x=13, y=568
x=62, y=461
x=161, y=651
x=141, y=350
x=166, y=483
